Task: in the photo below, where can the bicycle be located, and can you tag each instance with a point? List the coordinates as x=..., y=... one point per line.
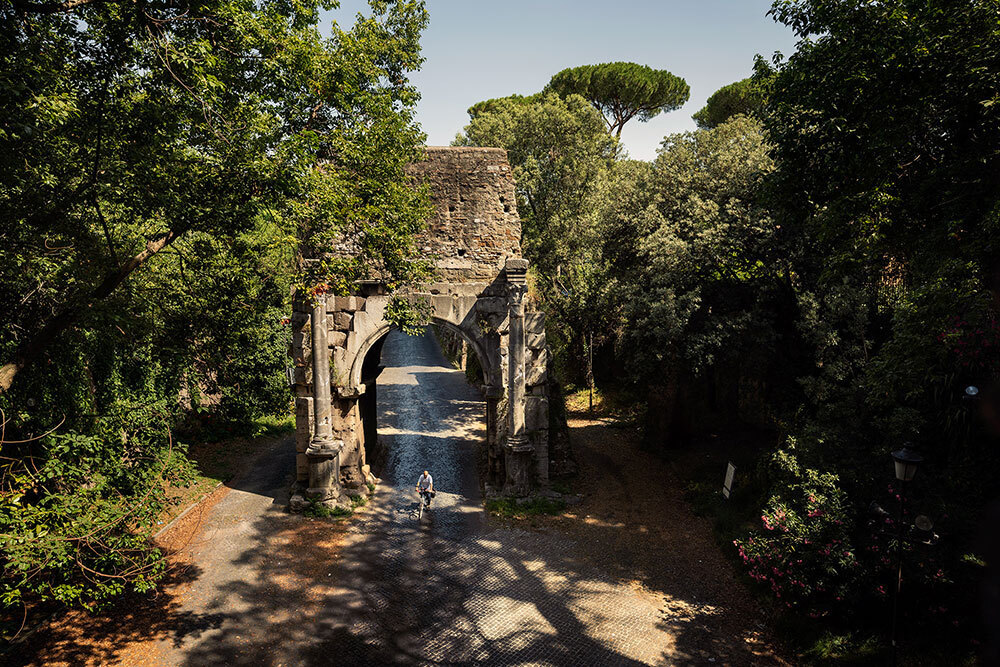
x=425, y=501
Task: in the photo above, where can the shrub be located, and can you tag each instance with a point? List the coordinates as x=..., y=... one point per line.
x=77, y=528
x=803, y=552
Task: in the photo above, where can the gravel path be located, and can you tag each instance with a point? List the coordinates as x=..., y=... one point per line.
x=262, y=587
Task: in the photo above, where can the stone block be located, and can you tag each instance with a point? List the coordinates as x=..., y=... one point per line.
x=364, y=325
x=337, y=338
x=441, y=307
x=342, y=321
x=540, y=442
x=345, y=303
x=536, y=365
x=536, y=413
x=492, y=305
x=301, y=467
x=301, y=344
x=534, y=323
x=516, y=265
x=340, y=365
x=303, y=408
x=375, y=307
x=535, y=341
x=303, y=375
x=344, y=420
x=301, y=355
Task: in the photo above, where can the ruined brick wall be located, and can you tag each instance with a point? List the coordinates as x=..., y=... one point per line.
x=474, y=227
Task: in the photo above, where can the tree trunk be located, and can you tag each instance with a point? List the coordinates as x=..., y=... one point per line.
x=590, y=368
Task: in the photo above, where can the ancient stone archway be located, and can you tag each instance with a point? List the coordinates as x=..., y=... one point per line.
x=478, y=292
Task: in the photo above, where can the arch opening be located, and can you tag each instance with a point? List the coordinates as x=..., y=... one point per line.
x=418, y=411
x=377, y=338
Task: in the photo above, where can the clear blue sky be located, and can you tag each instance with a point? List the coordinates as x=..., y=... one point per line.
x=479, y=49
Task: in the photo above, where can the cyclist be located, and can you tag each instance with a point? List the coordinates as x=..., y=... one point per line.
x=425, y=487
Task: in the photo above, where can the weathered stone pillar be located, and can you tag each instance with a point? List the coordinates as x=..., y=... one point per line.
x=519, y=449
x=495, y=476
x=323, y=452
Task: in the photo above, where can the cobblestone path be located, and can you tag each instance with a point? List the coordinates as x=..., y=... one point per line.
x=448, y=589
x=269, y=588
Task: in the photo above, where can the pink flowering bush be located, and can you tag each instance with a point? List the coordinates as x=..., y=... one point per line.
x=802, y=551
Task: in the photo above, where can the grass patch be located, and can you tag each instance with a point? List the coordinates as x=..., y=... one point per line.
x=273, y=426
x=510, y=508
x=608, y=404
x=832, y=648
x=318, y=511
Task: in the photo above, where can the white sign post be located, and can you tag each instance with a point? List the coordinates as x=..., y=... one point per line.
x=727, y=486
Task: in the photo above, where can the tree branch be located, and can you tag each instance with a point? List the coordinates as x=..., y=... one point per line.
x=69, y=315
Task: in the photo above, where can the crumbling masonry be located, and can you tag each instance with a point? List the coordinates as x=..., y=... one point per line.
x=479, y=293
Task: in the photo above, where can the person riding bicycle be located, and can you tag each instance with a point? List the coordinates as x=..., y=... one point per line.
x=425, y=487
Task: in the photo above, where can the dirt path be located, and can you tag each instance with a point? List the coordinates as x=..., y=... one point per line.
x=636, y=582
x=635, y=525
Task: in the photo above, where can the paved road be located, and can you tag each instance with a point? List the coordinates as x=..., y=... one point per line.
x=269, y=588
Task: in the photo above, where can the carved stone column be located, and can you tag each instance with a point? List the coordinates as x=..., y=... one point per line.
x=323, y=452
x=519, y=450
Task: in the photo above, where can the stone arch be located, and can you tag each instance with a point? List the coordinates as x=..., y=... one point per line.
x=476, y=290
x=475, y=342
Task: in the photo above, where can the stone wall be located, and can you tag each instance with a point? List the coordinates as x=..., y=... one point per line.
x=475, y=227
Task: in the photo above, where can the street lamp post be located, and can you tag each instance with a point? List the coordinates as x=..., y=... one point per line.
x=906, y=461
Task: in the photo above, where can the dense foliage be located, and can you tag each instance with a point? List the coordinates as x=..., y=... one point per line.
x=742, y=97
x=691, y=253
x=886, y=190
x=158, y=188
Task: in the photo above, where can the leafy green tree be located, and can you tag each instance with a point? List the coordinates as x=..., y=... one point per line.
x=497, y=105
x=622, y=91
x=886, y=189
x=561, y=152
x=164, y=169
x=124, y=131
x=691, y=253
x=885, y=139
x=742, y=97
